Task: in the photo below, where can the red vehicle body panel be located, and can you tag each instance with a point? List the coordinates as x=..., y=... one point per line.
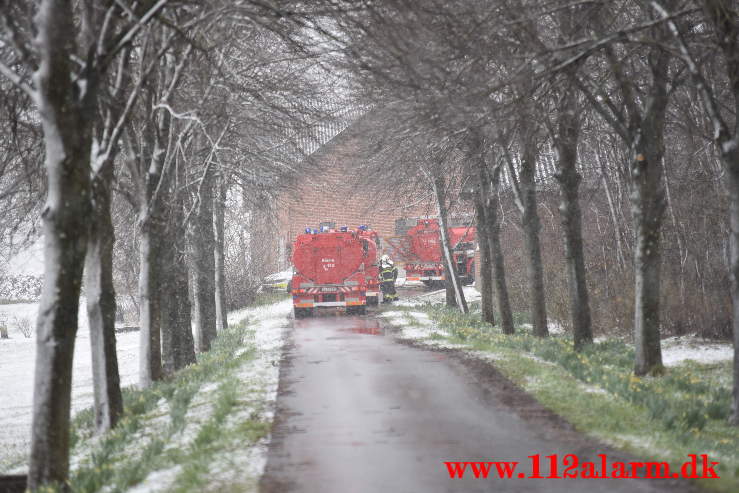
x=426, y=263
x=425, y=240
x=329, y=270
x=327, y=258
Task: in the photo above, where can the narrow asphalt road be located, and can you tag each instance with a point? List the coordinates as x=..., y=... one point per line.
x=359, y=412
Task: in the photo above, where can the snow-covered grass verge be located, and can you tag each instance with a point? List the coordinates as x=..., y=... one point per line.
x=205, y=429
x=683, y=411
x=17, y=360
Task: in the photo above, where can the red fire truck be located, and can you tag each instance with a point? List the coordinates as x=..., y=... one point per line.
x=330, y=271
x=425, y=261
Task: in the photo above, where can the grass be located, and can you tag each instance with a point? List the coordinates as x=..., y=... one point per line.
x=667, y=417
x=268, y=298
x=178, y=427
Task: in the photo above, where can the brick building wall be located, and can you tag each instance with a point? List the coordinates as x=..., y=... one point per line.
x=333, y=193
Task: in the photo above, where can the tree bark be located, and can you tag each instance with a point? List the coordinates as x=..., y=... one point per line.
x=203, y=245
x=733, y=182
x=150, y=363
x=178, y=347
x=486, y=269
x=531, y=227
x=101, y=304
x=568, y=130
x=647, y=207
x=496, y=254
x=168, y=306
x=220, y=274
x=185, y=347
x=150, y=251
x=65, y=118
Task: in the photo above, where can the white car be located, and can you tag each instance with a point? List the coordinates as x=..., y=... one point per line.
x=278, y=281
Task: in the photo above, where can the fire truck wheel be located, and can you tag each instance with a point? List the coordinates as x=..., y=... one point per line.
x=303, y=312
x=356, y=310
x=372, y=300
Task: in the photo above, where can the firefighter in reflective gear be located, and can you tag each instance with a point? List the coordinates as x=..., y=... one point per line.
x=388, y=275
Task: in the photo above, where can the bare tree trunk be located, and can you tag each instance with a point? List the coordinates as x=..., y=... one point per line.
x=531, y=227
x=733, y=185
x=647, y=208
x=101, y=304
x=647, y=258
x=150, y=250
x=568, y=130
x=150, y=363
x=486, y=269
x=178, y=347
x=438, y=186
x=220, y=274
x=482, y=190
x=168, y=305
x=67, y=138
x=496, y=254
x=185, y=347
x=203, y=246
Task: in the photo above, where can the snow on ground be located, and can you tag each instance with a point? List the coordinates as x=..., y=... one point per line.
x=260, y=377
x=249, y=462
x=676, y=350
x=418, y=326
x=438, y=296
x=18, y=354
x=17, y=359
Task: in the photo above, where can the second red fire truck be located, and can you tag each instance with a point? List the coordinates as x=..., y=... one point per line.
x=426, y=260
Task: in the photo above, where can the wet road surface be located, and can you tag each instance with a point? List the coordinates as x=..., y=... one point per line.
x=360, y=412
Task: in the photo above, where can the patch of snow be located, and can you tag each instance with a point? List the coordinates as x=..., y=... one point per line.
x=594, y=389
x=538, y=359
x=396, y=318
x=676, y=350
x=420, y=317
x=556, y=328
x=241, y=463
x=486, y=355
x=18, y=356
x=438, y=297
x=416, y=333
x=17, y=362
